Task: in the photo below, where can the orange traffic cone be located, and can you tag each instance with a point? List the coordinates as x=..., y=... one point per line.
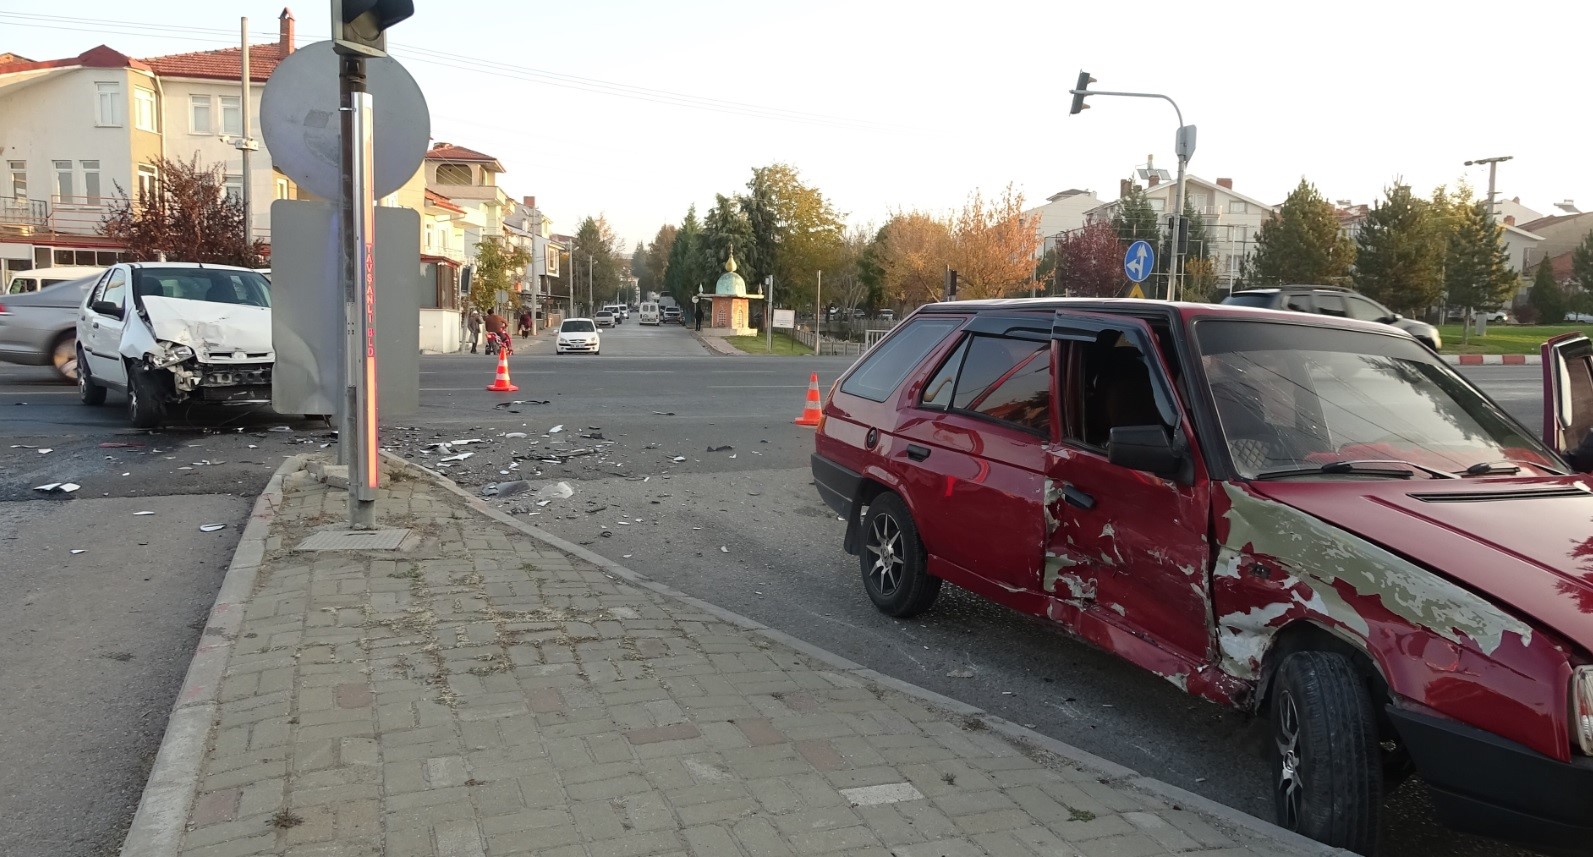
x=501, y=383
x=811, y=413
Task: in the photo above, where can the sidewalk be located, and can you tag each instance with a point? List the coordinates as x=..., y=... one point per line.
x=488, y=689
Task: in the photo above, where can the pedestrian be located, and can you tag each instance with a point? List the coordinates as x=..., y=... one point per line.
x=525, y=323
x=474, y=326
x=697, y=310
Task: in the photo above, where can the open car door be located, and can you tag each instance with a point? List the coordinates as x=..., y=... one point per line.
x=1567, y=391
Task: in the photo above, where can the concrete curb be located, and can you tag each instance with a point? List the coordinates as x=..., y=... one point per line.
x=1106, y=769
x=1494, y=359
x=162, y=814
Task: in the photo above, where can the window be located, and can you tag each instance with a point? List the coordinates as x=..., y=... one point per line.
x=453, y=174
x=1157, y=204
x=144, y=109
x=937, y=393
x=115, y=287
x=1238, y=207
x=63, y=181
x=885, y=366
x=199, y=121
x=1365, y=310
x=91, y=181
x=19, y=179
x=231, y=116
x=1117, y=390
x=148, y=182
x=1299, y=303
x=108, y=104
x=1005, y=379
x=281, y=188
x=1328, y=303
x=232, y=188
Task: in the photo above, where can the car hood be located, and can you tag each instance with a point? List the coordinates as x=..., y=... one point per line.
x=1526, y=544
x=210, y=328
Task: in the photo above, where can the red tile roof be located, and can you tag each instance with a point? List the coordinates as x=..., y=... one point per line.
x=443, y=202
x=98, y=57
x=224, y=64
x=450, y=152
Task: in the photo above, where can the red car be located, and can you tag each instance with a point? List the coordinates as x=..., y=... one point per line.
x=1311, y=518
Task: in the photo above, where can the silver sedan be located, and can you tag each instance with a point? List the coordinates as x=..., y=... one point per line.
x=40, y=328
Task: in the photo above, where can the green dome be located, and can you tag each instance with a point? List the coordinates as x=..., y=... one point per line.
x=730, y=282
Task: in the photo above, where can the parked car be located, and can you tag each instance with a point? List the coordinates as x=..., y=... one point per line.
x=1312, y=519
x=1579, y=317
x=617, y=311
x=1494, y=316
x=39, y=328
x=1339, y=303
x=23, y=282
x=887, y=315
x=171, y=333
x=672, y=313
x=578, y=335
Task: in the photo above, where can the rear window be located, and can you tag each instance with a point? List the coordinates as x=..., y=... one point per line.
x=1249, y=300
x=888, y=364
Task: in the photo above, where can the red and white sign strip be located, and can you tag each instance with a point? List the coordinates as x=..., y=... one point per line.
x=1495, y=359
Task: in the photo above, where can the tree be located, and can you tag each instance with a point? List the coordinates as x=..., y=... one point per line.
x=1581, y=296
x=912, y=252
x=1301, y=244
x=1477, y=271
x=1090, y=262
x=680, y=278
x=1200, y=280
x=1045, y=270
x=1400, y=252
x=795, y=233
x=993, y=246
x=594, y=258
x=1135, y=220
x=658, y=254
x=725, y=231
x=1546, y=298
x=639, y=269
x=499, y=265
x=190, y=218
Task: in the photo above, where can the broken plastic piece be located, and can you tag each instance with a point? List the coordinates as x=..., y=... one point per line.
x=57, y=487
x=210, y=528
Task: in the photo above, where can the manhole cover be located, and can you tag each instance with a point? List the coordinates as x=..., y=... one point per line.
x=354, y=540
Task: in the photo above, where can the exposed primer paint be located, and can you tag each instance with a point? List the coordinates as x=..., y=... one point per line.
x=1054, y=495
x=1054, y=563
x=1179, y=680
x=1320, y=555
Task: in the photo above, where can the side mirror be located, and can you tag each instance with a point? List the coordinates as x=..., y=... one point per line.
x=1147, y=448
x=107, y=308
x=1393, y=317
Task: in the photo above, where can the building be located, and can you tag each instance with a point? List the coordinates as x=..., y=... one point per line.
x=1231, y=219
x=82, y=130
x=1063, y=212
x=528, y=227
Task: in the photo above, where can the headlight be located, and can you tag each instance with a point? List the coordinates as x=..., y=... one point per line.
x=172, y=355
x=1582, y=708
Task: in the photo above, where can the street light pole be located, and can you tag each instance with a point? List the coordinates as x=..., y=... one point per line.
x=591, y=306
x=1493, y=168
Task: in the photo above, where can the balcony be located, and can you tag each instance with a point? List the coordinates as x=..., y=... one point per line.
x=76, y=215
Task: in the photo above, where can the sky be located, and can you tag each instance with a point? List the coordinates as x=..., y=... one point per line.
x=636, y=110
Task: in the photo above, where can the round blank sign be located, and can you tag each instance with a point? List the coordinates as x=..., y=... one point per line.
x=299, y=118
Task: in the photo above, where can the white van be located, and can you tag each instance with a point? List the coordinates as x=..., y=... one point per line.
x=650, y=313
x=23, y=282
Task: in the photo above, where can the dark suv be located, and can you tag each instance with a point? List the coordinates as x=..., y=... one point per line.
x=1337, y=302
x=1311, y=518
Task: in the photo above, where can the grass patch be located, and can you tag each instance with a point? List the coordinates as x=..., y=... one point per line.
x=1506, y=338
x=783, y=344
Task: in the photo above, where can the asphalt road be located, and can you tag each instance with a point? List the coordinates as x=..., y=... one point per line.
x=95, y=644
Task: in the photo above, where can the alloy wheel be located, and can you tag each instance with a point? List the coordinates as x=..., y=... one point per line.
x=885, y=543
x=1290, y=783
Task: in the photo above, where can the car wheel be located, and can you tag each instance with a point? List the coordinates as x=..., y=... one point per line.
x=64, y=357
x=1327, y=770
x=90, y=392
x=892, y=560
x=144, y=408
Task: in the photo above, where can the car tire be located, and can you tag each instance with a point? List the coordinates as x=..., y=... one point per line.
x=91, y=393
x=1326, y=764
x=64, y=356
x=144, y=408
x=892, y=560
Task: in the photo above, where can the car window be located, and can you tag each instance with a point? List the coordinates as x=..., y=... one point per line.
x=245, y=288
x=581, y=326
x=937, y=393
x=887, y=364
x=116, y=288
x=18, y=286
x=1299, y=302
x=1252, y=299
x=1115, y=388
x=1330, y=304
x=1365, y=310
x=1007, y=380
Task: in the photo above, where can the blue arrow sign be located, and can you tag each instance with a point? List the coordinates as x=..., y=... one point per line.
x=1139, y=260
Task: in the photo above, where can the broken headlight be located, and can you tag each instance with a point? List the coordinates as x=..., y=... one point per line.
x=1582, y=708
x=171, y=355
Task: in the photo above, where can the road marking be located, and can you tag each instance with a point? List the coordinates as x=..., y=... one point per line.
x=28, y=392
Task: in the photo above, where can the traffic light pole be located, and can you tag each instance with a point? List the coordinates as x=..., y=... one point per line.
x=357, y=424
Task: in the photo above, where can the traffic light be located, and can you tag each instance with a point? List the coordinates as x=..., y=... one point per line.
x=1183, y=232
x=1080, y=91
x=951, y=284
x=360, y=26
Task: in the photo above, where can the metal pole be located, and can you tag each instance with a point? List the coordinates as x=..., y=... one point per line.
x=357, y=423
x=768, y=313
x=243, y=110
x=591, y=305
x=818, y=310
x=1175, y=281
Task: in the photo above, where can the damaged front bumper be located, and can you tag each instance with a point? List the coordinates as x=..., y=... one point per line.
x=221, y=383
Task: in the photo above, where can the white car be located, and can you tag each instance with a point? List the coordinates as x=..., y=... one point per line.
x=604, y=318
x=649, y=313
x=578, y=335
x=170, y=333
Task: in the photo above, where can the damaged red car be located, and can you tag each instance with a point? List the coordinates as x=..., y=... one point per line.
x=1314, y=519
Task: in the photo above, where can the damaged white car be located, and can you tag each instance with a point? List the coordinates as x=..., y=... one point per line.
x=171, y=333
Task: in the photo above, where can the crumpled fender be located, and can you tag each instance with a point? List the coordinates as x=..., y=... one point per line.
x=137, y=340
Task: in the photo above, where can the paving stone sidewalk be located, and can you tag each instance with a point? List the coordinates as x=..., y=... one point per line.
x=483, y=693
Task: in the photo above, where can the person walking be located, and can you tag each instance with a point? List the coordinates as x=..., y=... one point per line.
x=473, y=325
x=525, y=323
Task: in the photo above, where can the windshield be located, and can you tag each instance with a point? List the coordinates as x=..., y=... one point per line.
x=1253, y=299
x=573, y=326
x=212, y=285
x=1296, y=396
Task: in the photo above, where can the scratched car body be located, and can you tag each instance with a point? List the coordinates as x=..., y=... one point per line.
x=1317, y=520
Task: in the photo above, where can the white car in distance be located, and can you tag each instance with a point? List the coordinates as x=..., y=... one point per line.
x=578, y=336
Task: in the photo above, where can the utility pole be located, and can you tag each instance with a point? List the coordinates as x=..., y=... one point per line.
x=768, y=311
x=818, y=310
x=1493, y=168
x=591, y=306
x=243, y=143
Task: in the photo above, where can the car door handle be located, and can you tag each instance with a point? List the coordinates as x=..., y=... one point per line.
x=916, y=452
x=1074, y=497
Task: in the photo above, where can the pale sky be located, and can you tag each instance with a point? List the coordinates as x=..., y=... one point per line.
x=892, y=105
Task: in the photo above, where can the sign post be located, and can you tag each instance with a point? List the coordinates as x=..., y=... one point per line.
x=1138, y=262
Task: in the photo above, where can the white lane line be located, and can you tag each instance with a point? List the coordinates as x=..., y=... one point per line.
x=26, y=392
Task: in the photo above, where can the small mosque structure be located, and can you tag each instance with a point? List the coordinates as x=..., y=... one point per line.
x=729, y=311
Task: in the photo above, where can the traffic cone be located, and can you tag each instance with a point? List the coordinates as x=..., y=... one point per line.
x=501, y=383
x=811, y=413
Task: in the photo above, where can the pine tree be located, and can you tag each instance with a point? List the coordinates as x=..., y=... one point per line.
x=1581, y=296
x=1546, y=298
x=1400, y=252
x=1477, y=271
x=680, y=277
x=1302, y=244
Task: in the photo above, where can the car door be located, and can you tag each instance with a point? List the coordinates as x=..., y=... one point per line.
x=1567, y=391
x=1127, y=551
x=978, y=433
x=101, y=332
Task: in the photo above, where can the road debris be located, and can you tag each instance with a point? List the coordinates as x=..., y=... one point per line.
x=211, y=528
x=720, y=448
x=460, y=457
x=141, y=514
x=57, y=487
x=556, y=429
